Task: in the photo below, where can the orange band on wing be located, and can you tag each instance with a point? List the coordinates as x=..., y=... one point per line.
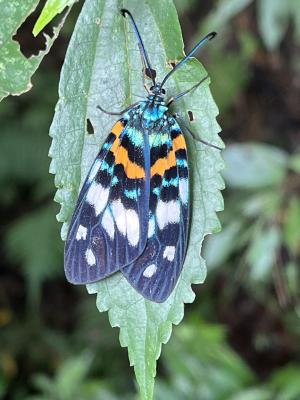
x=179, y=143
x=117, y=128
x=163, y=164
x=132, y=170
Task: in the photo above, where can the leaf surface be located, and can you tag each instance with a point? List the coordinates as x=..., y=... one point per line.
x=103, y=66
x=50, y=10
x=15, y=69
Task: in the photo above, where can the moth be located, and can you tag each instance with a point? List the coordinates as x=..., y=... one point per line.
x=132, y=214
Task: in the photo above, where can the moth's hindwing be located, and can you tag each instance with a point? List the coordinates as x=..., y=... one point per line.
x=155, y=273
x=109, y=226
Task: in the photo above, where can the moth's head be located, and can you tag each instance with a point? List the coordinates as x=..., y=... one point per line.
x=157, y=92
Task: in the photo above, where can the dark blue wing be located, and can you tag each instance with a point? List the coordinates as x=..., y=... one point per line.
x=155, y=273
x=109, y=226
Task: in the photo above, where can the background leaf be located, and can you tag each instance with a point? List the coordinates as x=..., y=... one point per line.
x=219, y=247
x=196, y=369
x=291, y=230
x=273, y=21
x=223, y=12
x=15, y=69
x=50, y=10
x=260, y=260
x=295, y=162
x=93, y=75
x=250, y=166
x=31, y=236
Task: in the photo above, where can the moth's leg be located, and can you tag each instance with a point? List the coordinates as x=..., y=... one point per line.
x=117, y=112
x=176, y=116
x=145, y=84
x=178, y=96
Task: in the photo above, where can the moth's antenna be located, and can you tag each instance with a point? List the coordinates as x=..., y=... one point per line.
x=202, y=42
x=140, y=43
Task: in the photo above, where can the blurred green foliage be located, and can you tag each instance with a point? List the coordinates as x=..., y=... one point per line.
x=261, y=219
x=241, y=338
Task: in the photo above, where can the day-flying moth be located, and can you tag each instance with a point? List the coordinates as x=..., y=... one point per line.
x=132, y=213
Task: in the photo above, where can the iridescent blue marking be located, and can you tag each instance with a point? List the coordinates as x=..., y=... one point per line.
x=132, y=194
x=163, y=139
x=176, y=128
x=181, y=163
x=136, y=137
x=156, y=191
x=105, y=167
x=114, y=181
x=106, y=146
x=153, y=113
x=170, y=182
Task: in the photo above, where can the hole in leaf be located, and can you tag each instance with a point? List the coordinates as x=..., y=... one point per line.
x=191, y=115
x=30, y=45
x=172, y=63
x=148, y=73
x=89, y=127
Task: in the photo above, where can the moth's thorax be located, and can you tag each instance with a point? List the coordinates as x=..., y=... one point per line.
x=153, y=112
x=150, y=116
x=156, y=99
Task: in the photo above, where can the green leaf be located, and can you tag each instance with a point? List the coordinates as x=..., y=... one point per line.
x=224, y=11
x=261, y=254
x=50, y=10
x=210, y=371
x=295, y=14
x=219, y=247
x=31, y=236
x=183, y=6
x=71, y=375
x=291, y=232
x=103, y=66
x=68, y=383
x=234, y=67
x=255, y=393
x=252, y=166
x=273, y=18
x=264, y=203
x=292, y=278
x=15, y=69
x=294, y=162
x=285, y=382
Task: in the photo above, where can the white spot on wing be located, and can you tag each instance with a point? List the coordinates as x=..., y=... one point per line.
x=184, y=190
x=167, y=213
x=97, y=196
x=127, y=222
x=151, y=227
x=81, y=232
x=169, y=253
x=90, y=257
x=133, y=227
x=119, y=216
x=108, y=224
x=150, y=271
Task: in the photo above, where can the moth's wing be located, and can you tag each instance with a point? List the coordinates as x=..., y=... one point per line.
x=109, y=226
x=155, y=273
